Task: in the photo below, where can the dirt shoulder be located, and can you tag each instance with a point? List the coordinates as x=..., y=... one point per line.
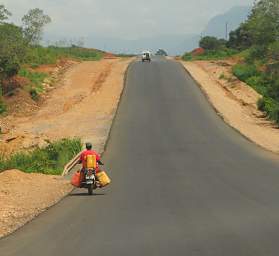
x=23, y=196
x=234, y=101
x=82, y=105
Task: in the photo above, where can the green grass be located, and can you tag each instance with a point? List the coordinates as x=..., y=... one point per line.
x=245, y=71
x=35, y=88
x=211, y=55
x=49, y=160
x=50, y=55
x=262, y=83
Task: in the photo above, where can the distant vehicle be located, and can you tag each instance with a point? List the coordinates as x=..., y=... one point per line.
x=146, y=56
x=161, y=52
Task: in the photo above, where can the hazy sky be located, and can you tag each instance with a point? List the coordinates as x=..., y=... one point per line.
x=127, y=19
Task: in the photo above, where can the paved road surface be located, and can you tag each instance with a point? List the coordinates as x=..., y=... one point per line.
x=184, y=183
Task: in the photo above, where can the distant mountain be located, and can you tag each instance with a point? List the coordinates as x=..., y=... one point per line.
x=234, y=17
x=173, y=44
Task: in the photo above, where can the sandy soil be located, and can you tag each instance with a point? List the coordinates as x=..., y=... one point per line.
x=82, y=105
x=23, y=196
x=235, y=101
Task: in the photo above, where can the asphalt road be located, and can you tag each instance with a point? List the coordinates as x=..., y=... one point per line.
x=183, y=183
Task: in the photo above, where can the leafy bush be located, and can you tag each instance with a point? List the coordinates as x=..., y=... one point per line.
x=245, y=71
x=270, y=107
x=212, y=43
x=49, y=55
x=49, y=160
x=12, y=50
x=36, y=79
x=255, y=53
x=187, y=56
x=273, y=51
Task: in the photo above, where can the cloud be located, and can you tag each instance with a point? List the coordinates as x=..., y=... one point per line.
x=128, y=19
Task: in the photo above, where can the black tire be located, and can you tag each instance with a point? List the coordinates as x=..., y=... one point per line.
x=90, y=189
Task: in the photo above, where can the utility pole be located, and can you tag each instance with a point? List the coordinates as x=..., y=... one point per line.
x=226, y=30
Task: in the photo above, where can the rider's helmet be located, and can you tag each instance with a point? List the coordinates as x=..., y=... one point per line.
x=88, y=145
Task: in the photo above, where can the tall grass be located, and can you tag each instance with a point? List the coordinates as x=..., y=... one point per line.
x=49, y=160
x=35, y=87
x=49, y=55
x=264, y=84
x=210, y=55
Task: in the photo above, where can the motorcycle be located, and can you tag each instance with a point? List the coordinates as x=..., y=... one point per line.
x=90, y=181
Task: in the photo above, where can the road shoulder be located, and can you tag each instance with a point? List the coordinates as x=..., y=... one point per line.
x=235, y=102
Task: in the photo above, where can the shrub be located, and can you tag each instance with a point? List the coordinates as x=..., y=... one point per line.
x=256, y=52
x=245, y=71
x=49, y=160
x=212, y=43
x=270, y=107
x=257, y=83
x=273, y=51
x=187, y=56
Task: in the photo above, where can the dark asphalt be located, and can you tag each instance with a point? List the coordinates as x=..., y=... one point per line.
x=184, y=183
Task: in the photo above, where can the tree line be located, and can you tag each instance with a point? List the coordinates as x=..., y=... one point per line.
x=16, y=42
x=257, y=41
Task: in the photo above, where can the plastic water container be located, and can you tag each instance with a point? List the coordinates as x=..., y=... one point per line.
x=103, y=178
x=91, y=162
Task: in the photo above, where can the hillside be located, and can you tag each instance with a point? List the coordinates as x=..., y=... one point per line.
x=217, y=25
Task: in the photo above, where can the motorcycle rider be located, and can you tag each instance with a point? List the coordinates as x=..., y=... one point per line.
x=88, y=151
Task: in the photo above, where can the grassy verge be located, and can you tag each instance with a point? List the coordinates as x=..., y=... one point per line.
x=49, y=160
x=50, y=55
x=265, y=84
x=35, y=87
x=210, y=55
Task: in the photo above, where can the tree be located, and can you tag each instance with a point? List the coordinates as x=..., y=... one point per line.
x=33, y=23
x=212, y=43
x=264, y=21
x=4, y=13
x=241, y=38
x=12, y=50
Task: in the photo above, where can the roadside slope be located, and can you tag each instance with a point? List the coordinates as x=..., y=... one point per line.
x=235, y=102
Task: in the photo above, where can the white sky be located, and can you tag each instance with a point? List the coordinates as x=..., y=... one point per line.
x=127, y=19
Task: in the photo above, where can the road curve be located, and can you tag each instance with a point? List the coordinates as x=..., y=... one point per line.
x=183, y=182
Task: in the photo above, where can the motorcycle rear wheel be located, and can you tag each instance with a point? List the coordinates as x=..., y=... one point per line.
x=90, y=189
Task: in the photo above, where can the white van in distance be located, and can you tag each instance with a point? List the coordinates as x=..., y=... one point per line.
x=146, y=56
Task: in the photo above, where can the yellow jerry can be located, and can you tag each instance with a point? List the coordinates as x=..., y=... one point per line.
x=91, y=162
x=103, y=178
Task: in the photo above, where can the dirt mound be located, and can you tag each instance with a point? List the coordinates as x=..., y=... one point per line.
x=23, y=196
x=198, y=51
x=109, y=55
